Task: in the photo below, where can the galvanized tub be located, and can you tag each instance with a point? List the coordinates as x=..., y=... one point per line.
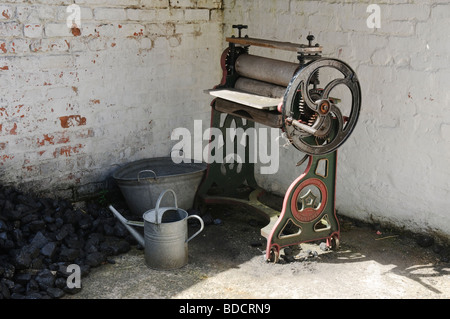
x=141, y=182
x=166, y=235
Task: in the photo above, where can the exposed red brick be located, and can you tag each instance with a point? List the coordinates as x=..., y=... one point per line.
x=4, y=68
x=47, y=138
x=13, y=130
x=67, y=150
x=95, y=101
x=3, y=47
x=3, y=158
x=5, y=14
x=72, y=177
x=63, y=139
x=3, y=112
x=140, y=33
x=85, y=134
x=76, y=31
x=72, y=120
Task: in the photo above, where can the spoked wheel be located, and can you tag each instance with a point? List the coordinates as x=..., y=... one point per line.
x=315, y=122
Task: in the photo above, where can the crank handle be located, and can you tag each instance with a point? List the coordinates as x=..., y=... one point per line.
x=308, y=129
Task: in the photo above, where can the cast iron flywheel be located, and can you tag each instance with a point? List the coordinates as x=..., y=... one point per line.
x=312, y=119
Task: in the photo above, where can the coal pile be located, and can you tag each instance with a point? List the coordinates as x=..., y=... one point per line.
x=41, y=237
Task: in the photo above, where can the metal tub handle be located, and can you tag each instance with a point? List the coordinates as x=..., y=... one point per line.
x=146, y=170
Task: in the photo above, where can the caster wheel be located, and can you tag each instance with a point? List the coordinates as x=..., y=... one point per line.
x=334, y=242
x=274, y=256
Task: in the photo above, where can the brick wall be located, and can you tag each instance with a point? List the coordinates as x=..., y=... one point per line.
x=77, y=102
x=395, y=166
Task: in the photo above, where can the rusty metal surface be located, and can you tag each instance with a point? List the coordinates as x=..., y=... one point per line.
x=259, y=87
x=286, y=46
x=265, y=69
x=331, y=128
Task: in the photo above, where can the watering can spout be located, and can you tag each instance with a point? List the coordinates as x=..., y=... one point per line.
x=127, y=224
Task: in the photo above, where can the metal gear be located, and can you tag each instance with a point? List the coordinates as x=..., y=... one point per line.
x=231, y=57
x=311, y=119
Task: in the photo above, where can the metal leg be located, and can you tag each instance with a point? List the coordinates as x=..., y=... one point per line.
x=308, y=212
x=226, y=176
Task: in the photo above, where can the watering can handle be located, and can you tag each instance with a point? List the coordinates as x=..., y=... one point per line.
x=157, y=217
x=202, y=225
x=146, y=170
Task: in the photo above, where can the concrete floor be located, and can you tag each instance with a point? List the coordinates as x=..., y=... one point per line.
x=226, y=261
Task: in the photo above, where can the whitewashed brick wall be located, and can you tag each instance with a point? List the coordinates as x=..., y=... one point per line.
x=395, y=168
x=74, y=104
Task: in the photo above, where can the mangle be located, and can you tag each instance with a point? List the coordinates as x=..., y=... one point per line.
x=294, y=98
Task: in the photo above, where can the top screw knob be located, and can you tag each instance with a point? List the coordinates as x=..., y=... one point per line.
x=310, y=39
x=239, y=27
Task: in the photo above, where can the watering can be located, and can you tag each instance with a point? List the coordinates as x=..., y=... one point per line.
x=165, y=239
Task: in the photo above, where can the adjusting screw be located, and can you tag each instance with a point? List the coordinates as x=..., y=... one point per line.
x=310, y=39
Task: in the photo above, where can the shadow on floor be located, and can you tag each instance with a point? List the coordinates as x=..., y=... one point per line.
x=227, y=261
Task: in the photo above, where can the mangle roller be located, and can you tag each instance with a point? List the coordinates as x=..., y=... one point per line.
x=292, y=97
